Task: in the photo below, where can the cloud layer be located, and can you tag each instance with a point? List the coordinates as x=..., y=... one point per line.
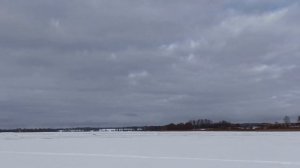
x=140, y=62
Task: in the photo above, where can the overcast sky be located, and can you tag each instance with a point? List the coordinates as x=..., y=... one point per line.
x=147, y=62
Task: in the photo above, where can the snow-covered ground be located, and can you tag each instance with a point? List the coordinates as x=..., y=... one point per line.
x=150, y=149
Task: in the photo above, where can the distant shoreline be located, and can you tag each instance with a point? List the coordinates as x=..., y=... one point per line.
x=204, y=130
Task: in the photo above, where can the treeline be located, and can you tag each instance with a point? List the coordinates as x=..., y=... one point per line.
x=192, y=125
x=209, y=125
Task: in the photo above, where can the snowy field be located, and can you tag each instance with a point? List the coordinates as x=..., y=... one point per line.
x=150, y=150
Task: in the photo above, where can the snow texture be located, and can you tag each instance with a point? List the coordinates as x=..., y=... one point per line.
x=150, y=150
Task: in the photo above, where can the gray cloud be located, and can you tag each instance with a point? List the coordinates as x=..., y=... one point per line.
x=114, y=63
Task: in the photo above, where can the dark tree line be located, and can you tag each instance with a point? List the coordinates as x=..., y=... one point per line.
x=191, y=125
x=199, y=124
x=209, y=125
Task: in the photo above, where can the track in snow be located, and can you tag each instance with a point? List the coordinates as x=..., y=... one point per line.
x=152, y=157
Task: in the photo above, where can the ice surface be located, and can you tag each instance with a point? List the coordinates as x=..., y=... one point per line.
x=150, y=150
